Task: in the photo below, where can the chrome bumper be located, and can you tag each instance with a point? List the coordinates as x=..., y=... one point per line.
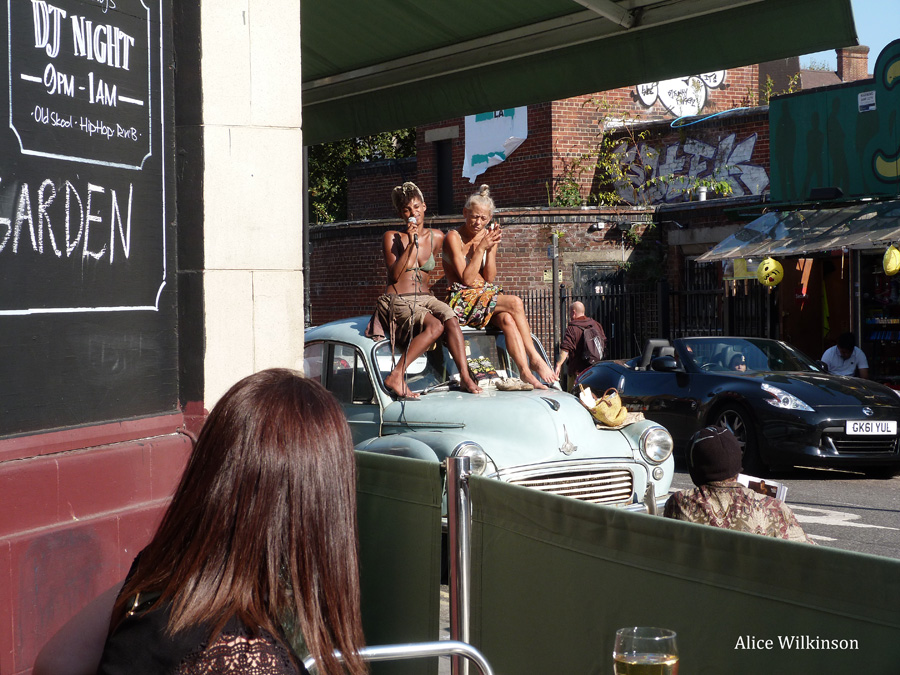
x=650, y=503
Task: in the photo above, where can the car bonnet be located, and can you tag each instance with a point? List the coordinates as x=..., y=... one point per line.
x=820, y=389
x=513, y=427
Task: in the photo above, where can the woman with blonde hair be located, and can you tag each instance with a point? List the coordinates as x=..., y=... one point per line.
x=471, y=270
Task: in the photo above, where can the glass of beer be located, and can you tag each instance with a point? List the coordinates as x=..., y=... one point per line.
x=645, y=651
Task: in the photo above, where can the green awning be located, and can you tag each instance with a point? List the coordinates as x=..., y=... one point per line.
x=376, y=66
x=867, y=225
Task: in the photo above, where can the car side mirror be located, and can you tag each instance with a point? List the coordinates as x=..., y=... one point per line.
x=664, y=364
x=823, y=366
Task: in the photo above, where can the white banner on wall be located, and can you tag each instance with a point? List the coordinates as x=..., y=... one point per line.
x=491, y=137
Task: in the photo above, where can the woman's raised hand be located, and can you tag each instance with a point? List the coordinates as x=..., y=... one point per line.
x=490, y=238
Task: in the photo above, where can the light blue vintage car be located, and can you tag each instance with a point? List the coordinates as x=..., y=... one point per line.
x=541, y=439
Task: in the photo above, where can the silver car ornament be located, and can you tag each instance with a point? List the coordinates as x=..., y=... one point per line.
x=567, y=448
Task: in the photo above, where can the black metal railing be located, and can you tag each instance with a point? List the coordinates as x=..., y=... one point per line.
x=632, y=313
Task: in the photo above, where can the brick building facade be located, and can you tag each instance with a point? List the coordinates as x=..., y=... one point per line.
x=348, y=277
x=558, y=133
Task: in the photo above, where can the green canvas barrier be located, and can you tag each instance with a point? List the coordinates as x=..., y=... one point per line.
x=553, y=578
x=399, y=507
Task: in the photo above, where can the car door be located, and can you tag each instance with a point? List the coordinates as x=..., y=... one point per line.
x=666, y=397
x=341, y=368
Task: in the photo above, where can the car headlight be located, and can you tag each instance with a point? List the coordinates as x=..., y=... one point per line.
x=480, y=462
x=783, y=399
x=656, y=444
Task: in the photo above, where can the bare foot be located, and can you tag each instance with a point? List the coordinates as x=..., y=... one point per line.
x=397, y=386
x=469, y=385
x=545, y=372
x=529, y=377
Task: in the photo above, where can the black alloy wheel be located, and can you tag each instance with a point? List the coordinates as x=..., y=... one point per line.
x=739, y=422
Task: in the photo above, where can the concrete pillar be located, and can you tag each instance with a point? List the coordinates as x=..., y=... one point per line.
x=242, y=299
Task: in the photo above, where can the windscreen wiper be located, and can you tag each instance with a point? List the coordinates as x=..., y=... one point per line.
x=437, y=386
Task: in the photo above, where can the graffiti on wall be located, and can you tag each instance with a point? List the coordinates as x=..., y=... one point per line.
x=681, y=96
x=657, y=176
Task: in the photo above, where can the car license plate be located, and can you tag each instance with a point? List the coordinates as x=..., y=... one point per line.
x=871, y=427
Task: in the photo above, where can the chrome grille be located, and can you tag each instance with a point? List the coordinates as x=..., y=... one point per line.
x=849, y=445
x=600, y=486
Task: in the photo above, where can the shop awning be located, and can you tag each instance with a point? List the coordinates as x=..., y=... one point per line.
x=370, y=66
x=803, y=232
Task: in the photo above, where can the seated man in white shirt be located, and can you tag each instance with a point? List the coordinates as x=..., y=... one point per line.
x=845, y=358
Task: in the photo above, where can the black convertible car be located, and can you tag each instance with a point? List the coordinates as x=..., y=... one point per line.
x=784, y=407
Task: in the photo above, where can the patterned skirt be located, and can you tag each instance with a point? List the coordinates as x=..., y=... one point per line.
x=474, y=305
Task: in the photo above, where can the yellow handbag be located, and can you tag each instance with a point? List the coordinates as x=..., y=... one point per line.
x=609, y=409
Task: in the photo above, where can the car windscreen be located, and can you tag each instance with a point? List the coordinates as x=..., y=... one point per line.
x=421, y=373
x=756, y=354
x=484, y=352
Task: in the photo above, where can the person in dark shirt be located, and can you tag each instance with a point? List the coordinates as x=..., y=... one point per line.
x=571, y=346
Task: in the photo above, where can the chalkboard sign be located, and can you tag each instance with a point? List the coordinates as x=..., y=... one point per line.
x=87, y=299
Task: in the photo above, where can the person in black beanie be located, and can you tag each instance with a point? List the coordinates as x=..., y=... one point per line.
x=714, y=462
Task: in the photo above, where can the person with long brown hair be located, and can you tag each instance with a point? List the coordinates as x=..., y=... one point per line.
x=257, y=552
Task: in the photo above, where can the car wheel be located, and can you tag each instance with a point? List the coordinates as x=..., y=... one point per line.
x=740, y=423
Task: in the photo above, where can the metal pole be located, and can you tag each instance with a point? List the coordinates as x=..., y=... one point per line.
x=662, y=301
x=307, y=299
x=459, y=519
x=856, y=324
x=554, y=255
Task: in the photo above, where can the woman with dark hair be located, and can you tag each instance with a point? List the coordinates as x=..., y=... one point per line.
x=413, y=317
x=257, y=552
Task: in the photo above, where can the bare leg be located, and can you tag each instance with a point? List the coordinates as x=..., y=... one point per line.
x=505, y=322
x=429, y=334
x=513, y=305
x=454, y=340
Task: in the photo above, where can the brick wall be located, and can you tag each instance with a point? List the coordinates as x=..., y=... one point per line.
x=853, y=63
x=575, y=133
x=520, y=180
x=369, y=186
x=77, y=506
x=347, y=268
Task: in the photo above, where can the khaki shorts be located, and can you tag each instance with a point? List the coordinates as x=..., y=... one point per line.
x=405, y=314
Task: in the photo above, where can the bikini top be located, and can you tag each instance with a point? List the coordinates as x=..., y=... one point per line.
x=429, y=264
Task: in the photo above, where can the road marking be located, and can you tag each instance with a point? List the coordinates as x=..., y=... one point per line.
x=837, y=518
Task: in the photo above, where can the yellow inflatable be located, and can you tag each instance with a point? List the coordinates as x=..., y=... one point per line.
x=891, y=260
x=770, y=272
